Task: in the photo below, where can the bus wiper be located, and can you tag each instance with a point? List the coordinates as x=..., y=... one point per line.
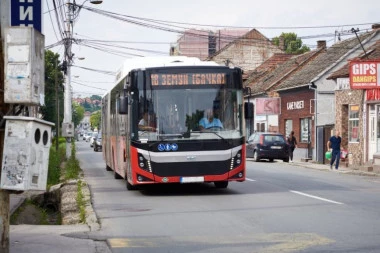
x=163, y=137
x=221, y=137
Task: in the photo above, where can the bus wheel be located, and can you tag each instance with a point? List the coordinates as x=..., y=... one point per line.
x=221, y=184
x=108, y=168
x=130, y=187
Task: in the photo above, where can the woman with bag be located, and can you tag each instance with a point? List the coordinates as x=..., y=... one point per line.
x=292, y=142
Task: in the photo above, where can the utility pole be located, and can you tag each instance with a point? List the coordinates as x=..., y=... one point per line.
x=4, y=194
x=57, y=107
x=67, y=118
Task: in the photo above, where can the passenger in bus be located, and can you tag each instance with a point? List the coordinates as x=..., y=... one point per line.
x=209, y=121
x=144, y=123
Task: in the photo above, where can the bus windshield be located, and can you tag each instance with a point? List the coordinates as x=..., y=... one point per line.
x=207, y=113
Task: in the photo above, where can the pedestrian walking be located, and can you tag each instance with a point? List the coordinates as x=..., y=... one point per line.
x=334, y=144
x=292, y=142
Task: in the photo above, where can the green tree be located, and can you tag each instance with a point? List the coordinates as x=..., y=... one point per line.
x=78, y=114
x=95, y=119
x=293, y=45
x=53, y=75
x=96, y=97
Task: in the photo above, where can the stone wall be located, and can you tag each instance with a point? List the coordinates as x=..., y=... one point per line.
x=345, y=98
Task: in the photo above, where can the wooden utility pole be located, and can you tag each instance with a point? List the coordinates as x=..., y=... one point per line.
x=4, y=194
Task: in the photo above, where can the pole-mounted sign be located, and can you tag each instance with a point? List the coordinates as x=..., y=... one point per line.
x=27, y=13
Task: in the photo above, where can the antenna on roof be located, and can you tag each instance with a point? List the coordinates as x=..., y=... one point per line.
x=356, y=33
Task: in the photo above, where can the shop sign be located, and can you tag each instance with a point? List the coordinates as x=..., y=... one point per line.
x=364, y=74
x=267, y=106
x=296, y=105
x=373, y=94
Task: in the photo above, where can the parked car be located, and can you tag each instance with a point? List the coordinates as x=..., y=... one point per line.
x=265, y=145
x=86, y=134
x=98, y=143
x=92, y=138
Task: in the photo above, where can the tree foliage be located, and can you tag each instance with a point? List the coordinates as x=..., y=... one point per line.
x=53, y=80
x=95, y=119
x=293, y=45
x=78, y=114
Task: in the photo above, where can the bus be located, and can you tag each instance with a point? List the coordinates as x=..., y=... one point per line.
x=152, y=123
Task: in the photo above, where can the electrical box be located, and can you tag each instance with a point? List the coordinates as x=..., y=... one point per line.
x=25, y=162
x=24, y=66
x=68, y=129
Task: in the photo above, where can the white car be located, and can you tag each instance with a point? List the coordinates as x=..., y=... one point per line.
x=92, y=138
x=88, y=136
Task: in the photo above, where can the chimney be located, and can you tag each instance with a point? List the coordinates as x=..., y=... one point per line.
x=281, y=43
x=321, y=44
x=375, y=26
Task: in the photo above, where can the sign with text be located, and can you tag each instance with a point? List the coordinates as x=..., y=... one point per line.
x=27, y=13
x=364, y=74
x=267, y=106
x=295, y=105
x=188, y=79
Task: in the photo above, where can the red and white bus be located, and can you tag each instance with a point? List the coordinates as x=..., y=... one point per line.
x=174, y=94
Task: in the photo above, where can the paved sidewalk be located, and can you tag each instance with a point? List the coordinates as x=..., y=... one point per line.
x=50, y=238
x=342, y=168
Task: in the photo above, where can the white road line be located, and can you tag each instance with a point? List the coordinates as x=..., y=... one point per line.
x=248, y=179
x=315, y=197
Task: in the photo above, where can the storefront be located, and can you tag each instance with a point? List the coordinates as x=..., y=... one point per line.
x=296, y=116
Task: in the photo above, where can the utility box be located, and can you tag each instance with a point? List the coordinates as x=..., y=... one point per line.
x=25, y=162
x=24, y=66
x=68, y=129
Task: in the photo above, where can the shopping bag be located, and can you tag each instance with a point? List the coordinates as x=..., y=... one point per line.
x=328, y=155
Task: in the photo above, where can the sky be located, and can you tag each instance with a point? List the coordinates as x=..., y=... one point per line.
x=310, y=20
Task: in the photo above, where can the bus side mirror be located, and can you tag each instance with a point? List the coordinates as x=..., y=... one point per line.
x=248, y=110
x=123, y=105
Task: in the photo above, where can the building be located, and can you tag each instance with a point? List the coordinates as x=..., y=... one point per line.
x=247, y=52
x=307, y=96
x=358, y=112
x=203, y=44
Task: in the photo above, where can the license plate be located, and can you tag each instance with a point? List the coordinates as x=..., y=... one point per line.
x=192, y=179
x=276, y=147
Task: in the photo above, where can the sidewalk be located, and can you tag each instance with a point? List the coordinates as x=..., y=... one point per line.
x=342, y=168
x=50, y=238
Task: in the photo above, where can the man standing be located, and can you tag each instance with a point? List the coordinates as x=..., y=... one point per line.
x=334, y=144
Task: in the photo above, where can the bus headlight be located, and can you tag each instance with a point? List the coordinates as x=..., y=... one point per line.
x=144, y=163
x=236, y=160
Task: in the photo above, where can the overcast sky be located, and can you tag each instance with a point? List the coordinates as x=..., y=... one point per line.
x=340, y=15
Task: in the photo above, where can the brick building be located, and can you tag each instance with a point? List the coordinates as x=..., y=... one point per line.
x=357, y=113
x=204, y=43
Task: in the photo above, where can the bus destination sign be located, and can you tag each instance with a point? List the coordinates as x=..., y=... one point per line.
x=188, y=79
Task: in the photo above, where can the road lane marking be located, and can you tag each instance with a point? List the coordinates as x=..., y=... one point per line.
x=316, y=197
x=248, y=179
x=269, y=243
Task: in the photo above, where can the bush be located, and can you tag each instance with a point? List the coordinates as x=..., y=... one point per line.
x=55, y=160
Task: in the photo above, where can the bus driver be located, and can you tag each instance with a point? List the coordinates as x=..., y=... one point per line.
x=209, y=121
x=144, y=123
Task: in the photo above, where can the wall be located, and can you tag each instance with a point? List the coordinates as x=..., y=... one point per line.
x=344, y=98
x=288, y=98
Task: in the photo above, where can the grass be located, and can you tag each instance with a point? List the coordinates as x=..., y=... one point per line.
x=81, y=202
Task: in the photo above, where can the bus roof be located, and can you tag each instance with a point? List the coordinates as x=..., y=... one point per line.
x=160, y=61
x=150, y=62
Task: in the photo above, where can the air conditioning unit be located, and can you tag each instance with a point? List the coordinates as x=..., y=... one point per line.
x=27, y=144
x=24, y=66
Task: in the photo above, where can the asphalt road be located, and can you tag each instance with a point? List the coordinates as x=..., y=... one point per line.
x=279, y=208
